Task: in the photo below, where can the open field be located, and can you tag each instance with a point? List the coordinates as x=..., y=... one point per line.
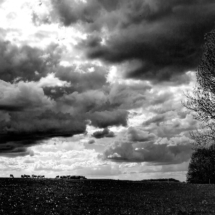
x=51, y=196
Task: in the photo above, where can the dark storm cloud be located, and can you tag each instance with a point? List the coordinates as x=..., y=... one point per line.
x=11, y=149
x=41, y=124
x=104, y=133
x=164, y=37
x=26, y=63
x=28, y=117
x=29, y=128
x=5, y=107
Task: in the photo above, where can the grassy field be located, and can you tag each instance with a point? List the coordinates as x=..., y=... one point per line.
x=58, y=196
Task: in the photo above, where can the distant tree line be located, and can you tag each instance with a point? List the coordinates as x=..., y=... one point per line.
x=33, y=176
x=71, y=177
x=57, y=177
x=163, y=180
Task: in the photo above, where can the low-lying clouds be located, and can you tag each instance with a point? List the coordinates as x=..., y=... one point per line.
x=160, y=139
x=142, y=146
x=154, y=153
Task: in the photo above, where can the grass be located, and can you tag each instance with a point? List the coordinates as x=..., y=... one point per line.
x=56, y=196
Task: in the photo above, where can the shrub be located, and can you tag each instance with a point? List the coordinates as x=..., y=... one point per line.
x=202, y=166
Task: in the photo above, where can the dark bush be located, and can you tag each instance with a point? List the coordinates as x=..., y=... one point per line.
x=202, y=166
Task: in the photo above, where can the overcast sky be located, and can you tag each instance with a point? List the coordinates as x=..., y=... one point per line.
x=94, y=87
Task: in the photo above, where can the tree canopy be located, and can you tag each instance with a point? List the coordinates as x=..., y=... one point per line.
x=202, y=166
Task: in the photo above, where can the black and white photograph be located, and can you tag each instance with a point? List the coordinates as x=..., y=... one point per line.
x=107, y=107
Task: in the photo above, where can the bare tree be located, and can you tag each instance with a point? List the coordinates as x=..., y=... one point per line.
x=202, y=100
x=206, y=69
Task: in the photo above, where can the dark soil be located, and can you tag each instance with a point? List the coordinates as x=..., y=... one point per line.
x=58, y=196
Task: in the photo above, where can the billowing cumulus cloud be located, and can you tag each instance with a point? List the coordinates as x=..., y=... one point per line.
x=20, y=96
x=79, y=79
x=164, y=38
x=170, y=124
x=147, y=147
x=26, y=63
x=161, y=139
x=139, y=135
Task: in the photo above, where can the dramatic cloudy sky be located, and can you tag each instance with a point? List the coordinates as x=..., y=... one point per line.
x=94, y=87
